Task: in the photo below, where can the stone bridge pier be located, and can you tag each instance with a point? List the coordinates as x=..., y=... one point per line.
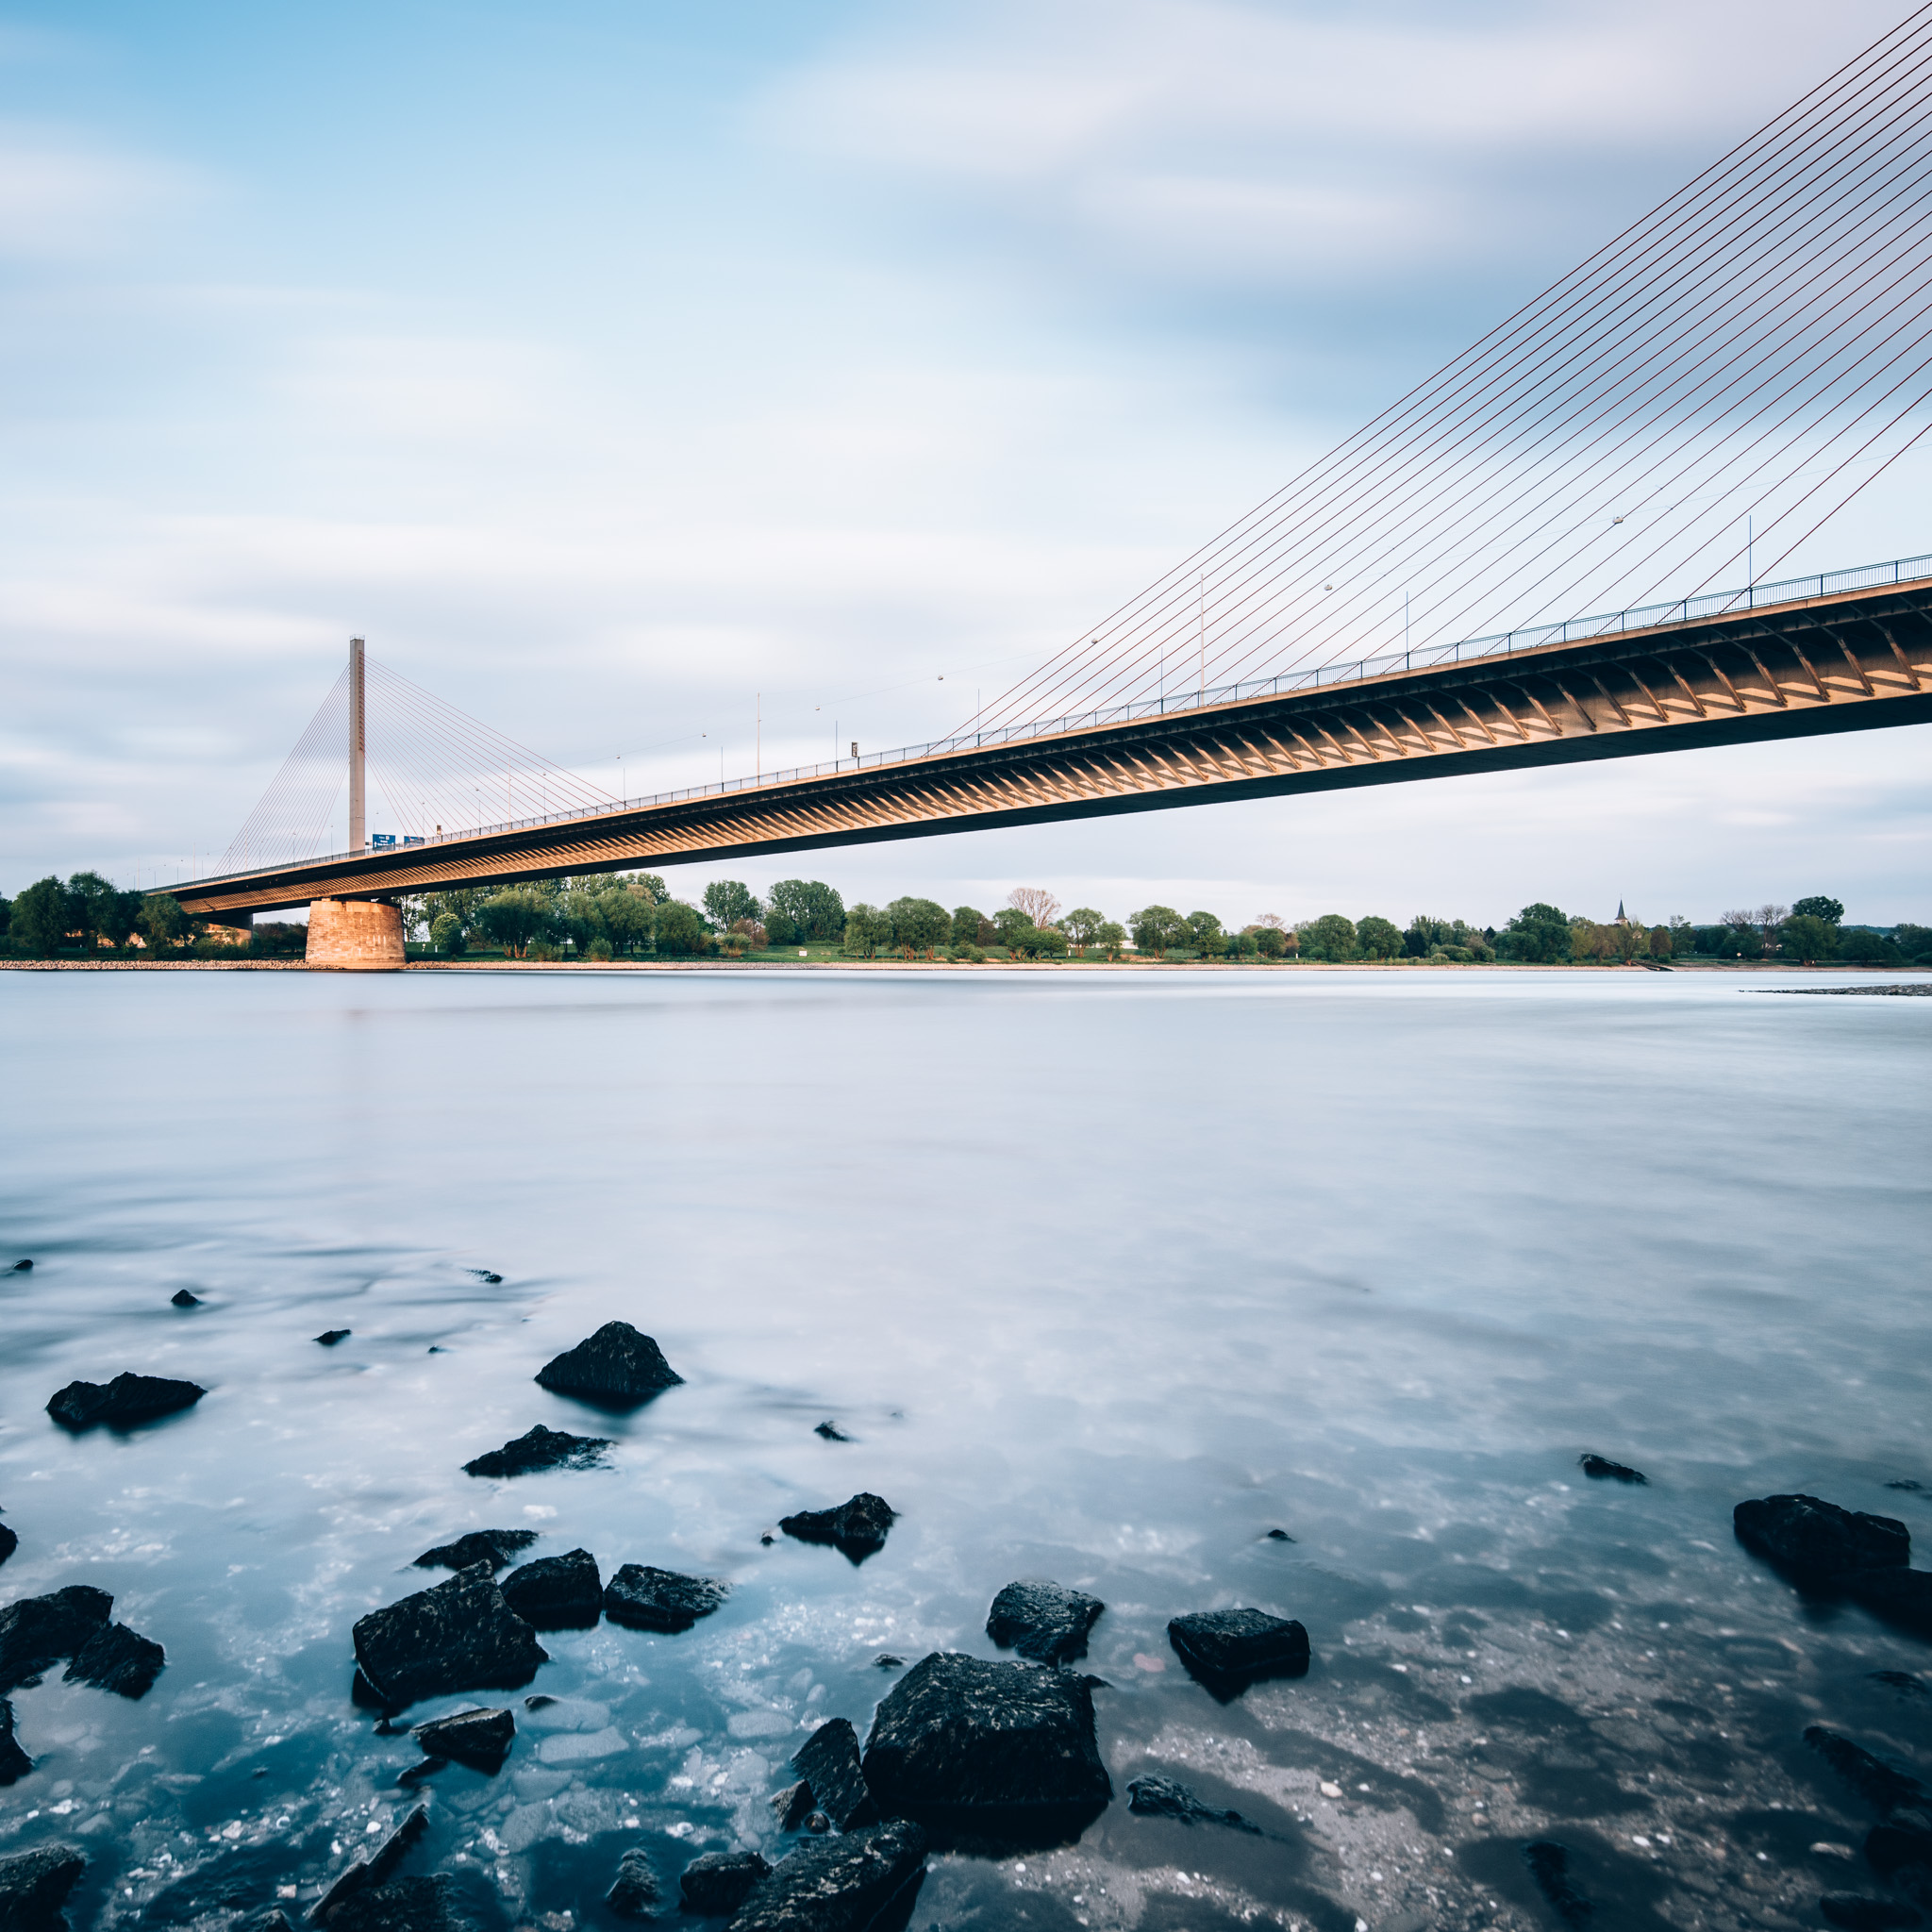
x=355, y=936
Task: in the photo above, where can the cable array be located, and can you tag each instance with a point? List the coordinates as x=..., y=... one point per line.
x=1693, y=401
x=291, y=820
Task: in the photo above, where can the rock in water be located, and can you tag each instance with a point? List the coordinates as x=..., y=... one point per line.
x=480, y=1738
x=1042, y=1620
x=838, y=1884
x=1228, y=1650
x=21, y=1268
x=1549, y=1865
x=330, y=1336
x=996, y=1751
x=1601, y=1469
x=1891, y=1849
x=719, y=1882
x=366, y=1875
x=118, y=1660
x=1161, y=1798
x=182, y=1299
x=14, y=1762
x=857, y=1526
x=495, y=1547
x=831, y=1432
x=404, y=1905
x=557, y=1593
x=1881, y=1785
x=458, y=1636
x=8, y=1542
x=1855, y=1913
x=616, y=1365
x=635, y=1894
x=125, y=1399
x=1817, y=1542
x=1900, y=1596
x=648, y=1599
x=42, y=1630
x=540, y=1449
x=34, y=1886
x=830, y=1764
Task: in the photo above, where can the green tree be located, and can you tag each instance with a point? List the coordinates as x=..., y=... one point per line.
x=1914, y=941
x=970, y=928
x=1020, y=938
x=42, y=918
x=630, y=918
x=1156, y=928
x=679, y=930
x=1205, y=936
x=1010, y=922
x=1330, y=938
x=726, y=901
x=446, y=935
x=1111, y=938
x=1049, y=943
x=866, y=930
x=278, y=938
x=580, y=917
x=1540, y=934
x=1270, y=941
x=1808, y=938
x=519, y=916
x=1379, y=939
x=1629, y=941
x=162, y=923
x=1863, y=948
x=1425, y=933
x=780, y=929
x=815, y=910
x=1082, y=927
x=919, y=925
x=1819, y=907
x=1243, y=945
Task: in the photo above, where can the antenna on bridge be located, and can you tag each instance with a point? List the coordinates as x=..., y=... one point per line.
x=359, y=752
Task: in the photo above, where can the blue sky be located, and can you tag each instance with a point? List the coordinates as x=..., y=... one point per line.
x=607, y=366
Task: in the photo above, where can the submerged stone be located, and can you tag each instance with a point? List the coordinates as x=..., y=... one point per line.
x=1549, y=1866
x=838, y=1884
x=128, y=1398
x=1001, y=1752
x=367, y=1874
x=1854, y=1912
x=1881, y=1785
x=650, y=1599
x=34, y=1886
x=495, y=1547
x=458, y=1636
x=480, y=1738
x=14, y=1762
x=635, y=1894
x=404, y=1905
x=119, y=1659
x=828, y=1763
x=1162, y=1797
x=615, y=1365
x=557, y=1593
x=1900, y=1596
x=1042, y=1620
x=719, y=1882
x=858, y=1527
x=39, y=1631
x=539, y=1449
x=1230, y=1649
x=1816, y=1541
x=1601, y=1469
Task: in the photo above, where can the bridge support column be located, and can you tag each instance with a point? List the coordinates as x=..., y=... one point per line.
x=355, y=936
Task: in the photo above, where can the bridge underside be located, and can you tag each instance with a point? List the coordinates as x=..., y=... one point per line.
x=1851, y=663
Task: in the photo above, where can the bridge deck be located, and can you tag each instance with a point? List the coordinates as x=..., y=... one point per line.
x=1849, y=661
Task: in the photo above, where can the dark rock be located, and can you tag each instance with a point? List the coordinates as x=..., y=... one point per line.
x=1899, y=1596
x=1601, y=1469
x=1280, y=1536
x=495, y=1547
x=365, y=1874
x=1893, y=1848
x=999, y=1751
x=273, y=1920
x=817, y=1824
x=1042, y=1620
x=8, y=1542
x=635, y=1892
x=21, y=1268
x=1817, y=1542
x=648, y=1599
x=34, y=1886
x=330, y=1336
x=858, y=1527
x=404, y=1905
x=14, y=1762
x=557, y=1593
x=1902, y=1681
x=1855, y=1913
x=486, y=1275
x=1906, y=1483
x=1549, y=1865
x=418, y=1773
x=39, y=1631
x=616, y=1365
x=792, y=1804
x=540, y=1449
x=1161, y=1798
x=828, y=1762
x=887, y=1661
x=538, y=1703
x=719, y=1882
x=1228, y=1650
x=125, y=1399
x=831, y=1432
x=119, y=1659
x=480, y=1738
x=841, y=1884
x=182, y=1299
x=1881, y=1785
x=458, y=1636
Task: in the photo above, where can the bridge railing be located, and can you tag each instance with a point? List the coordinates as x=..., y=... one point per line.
x=1349, y=671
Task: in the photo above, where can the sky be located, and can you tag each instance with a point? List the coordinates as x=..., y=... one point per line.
x=627, y=374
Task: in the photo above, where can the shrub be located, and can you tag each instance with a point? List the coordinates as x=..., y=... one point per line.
x=600, y=952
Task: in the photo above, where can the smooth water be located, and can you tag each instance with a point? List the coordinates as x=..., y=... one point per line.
x=1106, y=1275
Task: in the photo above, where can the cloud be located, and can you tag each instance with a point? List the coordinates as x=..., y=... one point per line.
x=63, y=199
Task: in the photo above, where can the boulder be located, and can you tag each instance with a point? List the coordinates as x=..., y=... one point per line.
x=648, y=1599
x=330, y=1336
x=39, y=1631
x=8, y=1542
x=14, y=1762
x=1162, y=1797
x=182, y=1299
x=495, y=1547
x=831, y=1432
x=557, y=1593
x=1891, y=1849
x=1601, y=1469
x=124, y=1400
x=404, y=1905
x=1817, y=1542
x=1042, y=1620
x=480, y=1738
x=840, y=1884
x=1855, y=1913
x=1227, y=1650
x=634, y=1894
x=539, y=1449
x=616, y=1366
x=1882, y=1786
x=1549, y=1866
x=718, y=1883
x=458, y=1636
x=829, y=1765
x=21, y=1268
x=119, y=1659
x=1004, y=1753
x=34, y=1886
x=1899, y=1596
x=365, y=1874
x=857, y=1526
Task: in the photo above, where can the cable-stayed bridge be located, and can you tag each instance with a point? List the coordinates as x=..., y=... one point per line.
x=1653, y=438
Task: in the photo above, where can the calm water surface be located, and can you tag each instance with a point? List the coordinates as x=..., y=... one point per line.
x=1107, y=1276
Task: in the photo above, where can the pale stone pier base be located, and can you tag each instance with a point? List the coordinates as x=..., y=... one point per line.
x=355, y=936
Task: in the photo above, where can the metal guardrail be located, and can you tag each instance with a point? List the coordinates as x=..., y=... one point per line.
x=1349, y=671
